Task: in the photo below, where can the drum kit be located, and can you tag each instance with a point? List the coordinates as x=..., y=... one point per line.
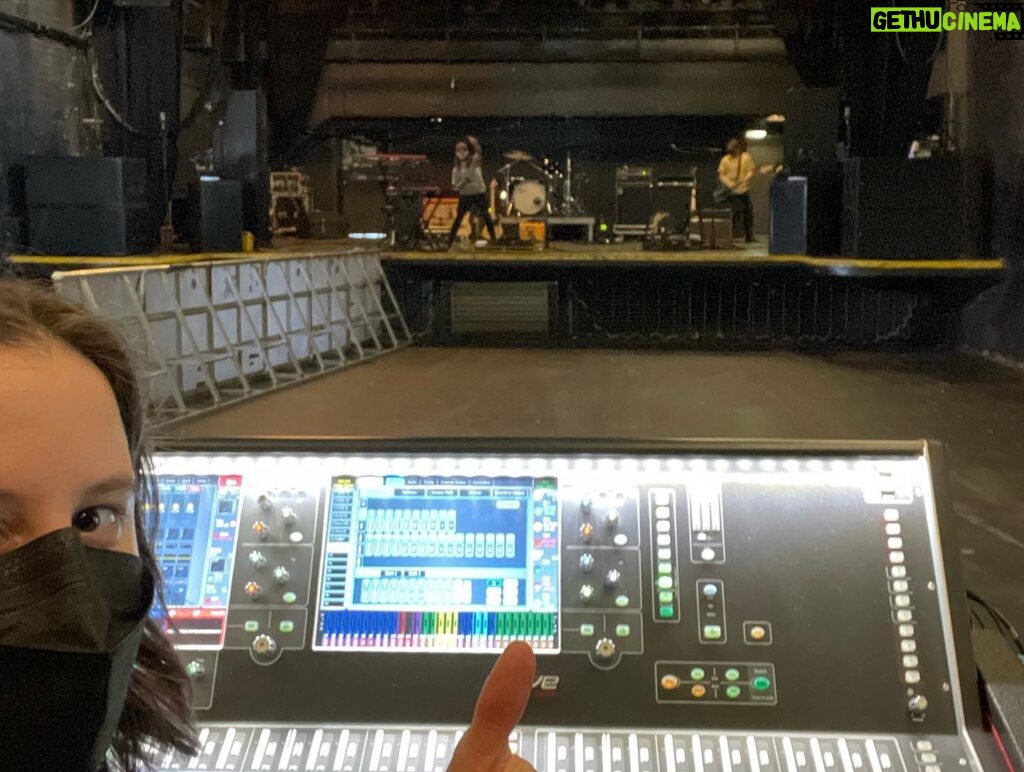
x=529, y=187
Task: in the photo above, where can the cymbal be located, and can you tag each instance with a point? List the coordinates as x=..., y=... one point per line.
x=518, y=155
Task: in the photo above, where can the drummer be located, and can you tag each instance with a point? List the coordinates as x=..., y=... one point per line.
x=468, y=180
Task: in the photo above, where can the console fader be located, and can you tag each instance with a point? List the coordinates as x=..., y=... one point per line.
x=711, y=608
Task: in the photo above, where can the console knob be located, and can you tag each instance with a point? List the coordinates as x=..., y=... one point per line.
x=289, y=515
x=587, y=532
x=264, y=648
x=281, y=575
x=586, y=562
x=612, y=519
x=253, y=590
x=604, y=651
x=257, y=559
x=613, y=578
x=261, y=529
x=586, y=592
x=918, y=703
x=586, y=505
x=265, y=502
x=195, y=669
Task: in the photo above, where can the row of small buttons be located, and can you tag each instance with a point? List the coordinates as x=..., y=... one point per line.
x=588, y=630
x=662, y=502
x=926, y=757
x=899, y=593
x=253, y=626
x=741, y=682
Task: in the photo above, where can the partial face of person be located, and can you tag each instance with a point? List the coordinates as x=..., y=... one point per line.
x=733, y=148
x=462, y=151
x=64, y=457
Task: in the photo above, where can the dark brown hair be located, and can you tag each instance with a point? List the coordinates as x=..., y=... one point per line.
x=158, y=707
x=739, y=144
x=464, y=163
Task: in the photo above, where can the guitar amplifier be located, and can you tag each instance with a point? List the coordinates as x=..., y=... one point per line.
x=634, y=175
x=674, y=197
x=715, y=228
x=634, y=200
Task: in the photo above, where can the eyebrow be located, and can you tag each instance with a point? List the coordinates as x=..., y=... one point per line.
x=112, y=485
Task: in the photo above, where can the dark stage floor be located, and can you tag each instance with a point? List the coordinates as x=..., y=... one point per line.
x=976, y=408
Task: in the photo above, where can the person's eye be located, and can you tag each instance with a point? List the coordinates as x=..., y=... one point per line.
x=100, y=526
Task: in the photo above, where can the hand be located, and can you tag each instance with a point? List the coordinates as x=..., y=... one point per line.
x=502, y=701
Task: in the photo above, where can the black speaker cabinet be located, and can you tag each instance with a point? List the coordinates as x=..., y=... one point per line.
x=362, y=206
x=216, y=224
x=902, y=209
x=673, y=198
x=824, y=205
x=634, y=207
x=87, y=206
x=787, y=226
x=813, y=125
x=241, y=153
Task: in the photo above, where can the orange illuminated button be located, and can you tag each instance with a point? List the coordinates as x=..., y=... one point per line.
x=698, y=690
x=669, y=682
x=260, y=529
x=757, y=632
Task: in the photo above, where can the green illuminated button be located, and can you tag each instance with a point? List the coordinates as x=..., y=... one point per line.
x=667, y=612
x=761, y=683
x=665, y=583
x=732, y=674
x=664, y=568
x=289, y=597
x=586, y=630
x=252, y=626
x=286, y=626
x=712, y=632
x=697, y=674
x=622, y=601
x=665, y=596
x=622, y=631
x=733, y=692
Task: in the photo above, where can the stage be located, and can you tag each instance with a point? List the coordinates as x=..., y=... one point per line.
x=615, y=294
x=632, y=253
x=556, y=254
x=569, y=294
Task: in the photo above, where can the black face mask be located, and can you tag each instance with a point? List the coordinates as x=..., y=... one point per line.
x=71, y=619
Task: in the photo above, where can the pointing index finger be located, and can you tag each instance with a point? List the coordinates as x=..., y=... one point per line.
x=499, y=708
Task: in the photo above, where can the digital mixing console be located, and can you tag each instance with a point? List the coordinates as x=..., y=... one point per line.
x=694, y=608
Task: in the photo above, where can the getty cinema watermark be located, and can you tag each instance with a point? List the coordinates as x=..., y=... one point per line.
x=1003, y=19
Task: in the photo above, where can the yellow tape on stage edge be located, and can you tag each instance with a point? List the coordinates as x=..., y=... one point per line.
x=696, y=257
x=146, y=261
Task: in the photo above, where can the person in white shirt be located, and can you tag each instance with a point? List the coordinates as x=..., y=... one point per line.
x=735, y=171
x=468, y=180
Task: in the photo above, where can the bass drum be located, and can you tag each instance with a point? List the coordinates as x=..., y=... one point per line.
x=529, y=198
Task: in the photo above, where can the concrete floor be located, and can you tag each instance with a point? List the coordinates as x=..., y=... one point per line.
x=976, y=408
